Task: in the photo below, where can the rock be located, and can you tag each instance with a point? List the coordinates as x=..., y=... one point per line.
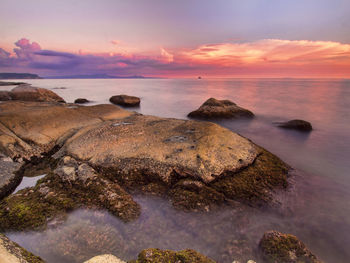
x=5, y=95
x=27, y=92
x=9, y=179
x=125, y=100
x=11, y=252
x=167, y=256
x=105, y=259
x=214, y=108
x=299, y=125
x=276, y=247
x=67, y=188
x=30, y=128
x=5, y=83
x=81, y=101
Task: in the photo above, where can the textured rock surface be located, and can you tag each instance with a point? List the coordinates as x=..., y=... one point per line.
x=214, y=108
x=167, y=256
x=11, y=252
x=30, y=128
x=72, y=185
x=299, y=125
x=105, y=259
x=125, y=100
x=164, y=149
x=5, y=95
x=276, y=247
x=8, y=177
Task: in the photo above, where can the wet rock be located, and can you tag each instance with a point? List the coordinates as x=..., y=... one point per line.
x=167, y=256
x=69, y=187
x=105, y=259
x=26, y=92
x=214, y=108
x=11, y=252
x=125, y=100
x=9, y=178
x=28, y=129
x=5, y=95
x=276, y=247
x=81, y=101
x=299, y=125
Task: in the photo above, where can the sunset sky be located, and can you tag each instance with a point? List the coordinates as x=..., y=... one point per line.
x=176, y=38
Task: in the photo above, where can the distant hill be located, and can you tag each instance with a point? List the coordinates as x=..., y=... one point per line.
x=95, y=76
x=18, y=76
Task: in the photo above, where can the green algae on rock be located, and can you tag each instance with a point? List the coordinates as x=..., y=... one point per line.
x=167, y=256
x=11, y=252
x=276, y=247
x=72, y=185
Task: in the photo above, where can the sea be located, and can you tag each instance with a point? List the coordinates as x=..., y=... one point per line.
x=316, y=206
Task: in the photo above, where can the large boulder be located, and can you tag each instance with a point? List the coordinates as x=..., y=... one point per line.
x=31, y=128
x=214, y=108
x=9, y=179
x=125, y=100
x=11, y=252
x=299, y=125
x=27, y=92
x=168, y=256
x=277, y=247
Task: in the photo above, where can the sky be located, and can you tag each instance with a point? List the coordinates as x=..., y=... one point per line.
x=176, y=38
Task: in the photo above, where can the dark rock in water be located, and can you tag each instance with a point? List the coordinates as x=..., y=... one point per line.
x=11, y=252
x=5, y=83
x=27, y=92
x=81, y=101
x=9, y=179
x=299, y=125
x=5, y=95
x=168, y=256
x=125, y=100
x=214, y=108
x=276, y=247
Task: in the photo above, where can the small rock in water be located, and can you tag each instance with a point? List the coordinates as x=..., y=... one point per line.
x=125, y=100
x=108, y=258
x=299, y=125
x=81, y=101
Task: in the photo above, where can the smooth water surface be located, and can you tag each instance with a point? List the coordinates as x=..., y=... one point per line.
x=319, y=201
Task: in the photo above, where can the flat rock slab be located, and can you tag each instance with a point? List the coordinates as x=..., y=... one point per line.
x=162, y=148
x=214, y=108
x=30, y=128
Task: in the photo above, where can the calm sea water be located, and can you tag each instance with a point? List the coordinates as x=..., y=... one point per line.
x=319, y=202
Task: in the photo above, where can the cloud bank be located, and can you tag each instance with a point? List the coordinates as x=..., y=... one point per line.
x=264, y=58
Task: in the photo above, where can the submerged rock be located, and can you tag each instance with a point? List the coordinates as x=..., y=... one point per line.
x=11, y=252
x=9, y=179
x=214, y=108
x=167, y=256
x=299, y=125
x=105, y=259
x=81, y=101
x=125, y=100
x=276, y=247
x=27, y=92
x=72, y=185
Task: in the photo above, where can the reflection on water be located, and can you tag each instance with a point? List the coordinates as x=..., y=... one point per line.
x=321, y=206
x=28, y=182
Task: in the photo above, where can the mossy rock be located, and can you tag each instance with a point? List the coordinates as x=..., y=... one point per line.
x=155, y=255
x=276, y=247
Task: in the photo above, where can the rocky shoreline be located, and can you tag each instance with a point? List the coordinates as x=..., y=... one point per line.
x=97, y=156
